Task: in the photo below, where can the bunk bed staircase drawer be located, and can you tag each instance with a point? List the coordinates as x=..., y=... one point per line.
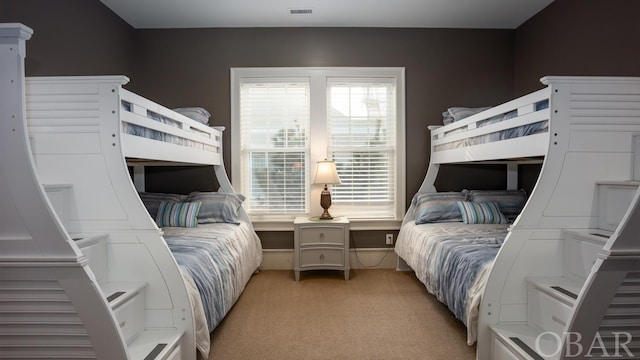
x=175, y=354
x=94, y=248
x=581, y=248
x=59, y=196
x=546, y=312
x=501, y=352
x=127, y=302
x=614, y=199
x=130, y=317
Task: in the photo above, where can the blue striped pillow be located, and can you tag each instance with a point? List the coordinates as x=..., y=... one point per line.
x=178, y=214
x=152, y=200
x=487, y=212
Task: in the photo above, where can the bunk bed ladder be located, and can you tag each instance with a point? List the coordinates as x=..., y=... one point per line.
x=562, y=311
x=126, y=300
x=607, y=314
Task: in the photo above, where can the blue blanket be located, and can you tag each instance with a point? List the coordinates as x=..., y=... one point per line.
x=457, y=264
x=212, y=266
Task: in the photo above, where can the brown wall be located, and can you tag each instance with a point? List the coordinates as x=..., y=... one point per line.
x=72, y=37
x=191, y=67
x=578, y=37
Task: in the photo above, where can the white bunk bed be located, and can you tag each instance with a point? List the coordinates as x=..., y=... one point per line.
x=541, y=284
x=450, y=257
x=77, y=237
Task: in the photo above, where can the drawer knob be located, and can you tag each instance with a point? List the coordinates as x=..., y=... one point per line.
x=558, y=320
x=321, y=236
x=123, y=323
x=321, y=257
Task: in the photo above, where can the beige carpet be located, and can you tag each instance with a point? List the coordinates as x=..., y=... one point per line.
x=377, y=314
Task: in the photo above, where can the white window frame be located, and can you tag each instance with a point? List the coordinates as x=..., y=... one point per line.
x=318, y=80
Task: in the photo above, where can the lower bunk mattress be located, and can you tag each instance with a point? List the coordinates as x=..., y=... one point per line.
x=216, y=260
x=453, y=261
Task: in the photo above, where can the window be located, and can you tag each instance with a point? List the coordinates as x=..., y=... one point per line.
x=286, y=119
x=273, y=132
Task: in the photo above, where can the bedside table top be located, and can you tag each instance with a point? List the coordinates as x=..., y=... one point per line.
x=316, y=220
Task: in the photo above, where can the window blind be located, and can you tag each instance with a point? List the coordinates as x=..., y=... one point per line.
x=275, y=120
x=284, y=120
x=361, y=130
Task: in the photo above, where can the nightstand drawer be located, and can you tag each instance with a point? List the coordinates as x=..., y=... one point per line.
x=322, y=236
x=321, y=257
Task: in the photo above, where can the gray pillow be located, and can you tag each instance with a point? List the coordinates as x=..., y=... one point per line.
x=510, y=202
x=217, y=207
x=438, y=207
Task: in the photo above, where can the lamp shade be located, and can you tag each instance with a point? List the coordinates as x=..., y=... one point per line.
x=326, y=173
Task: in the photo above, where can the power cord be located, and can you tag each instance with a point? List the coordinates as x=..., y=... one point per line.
x=355, y=250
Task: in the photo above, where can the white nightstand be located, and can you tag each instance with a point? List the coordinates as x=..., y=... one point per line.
x=321, y=245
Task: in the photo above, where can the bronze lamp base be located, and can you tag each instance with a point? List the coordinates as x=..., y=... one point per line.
x=325, y=202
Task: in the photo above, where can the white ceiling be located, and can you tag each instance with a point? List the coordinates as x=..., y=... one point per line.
x=473, y=14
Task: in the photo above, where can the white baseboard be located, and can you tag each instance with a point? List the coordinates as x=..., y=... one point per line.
x=277, y=259
x=367, y=258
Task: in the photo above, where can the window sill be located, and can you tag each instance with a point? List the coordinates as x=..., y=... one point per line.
x=355, y=224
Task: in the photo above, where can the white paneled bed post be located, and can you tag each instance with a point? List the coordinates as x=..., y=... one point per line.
x=568, y=263
x=77, y=237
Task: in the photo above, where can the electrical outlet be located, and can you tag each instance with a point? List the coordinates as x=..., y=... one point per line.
x=389, y=239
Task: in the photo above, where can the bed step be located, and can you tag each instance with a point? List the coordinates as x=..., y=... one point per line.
x=156, y=345
x=94, y=248
x=581, y=248
x=127, y=302
x=126, y=299
x=560, y=288
x=614, y=198
x=522, y=342
x=550, y=302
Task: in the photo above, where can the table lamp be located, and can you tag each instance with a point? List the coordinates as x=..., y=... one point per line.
x=326, y=173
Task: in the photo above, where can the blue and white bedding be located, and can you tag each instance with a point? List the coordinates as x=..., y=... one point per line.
x=512, y=133
x=141, y=131
x=217, y=260
x=453, y=261
x=459, y=113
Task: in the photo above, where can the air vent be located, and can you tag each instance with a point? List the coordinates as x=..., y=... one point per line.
x=300, y=11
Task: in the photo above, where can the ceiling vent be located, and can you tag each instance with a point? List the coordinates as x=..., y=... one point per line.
x=300, y=11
